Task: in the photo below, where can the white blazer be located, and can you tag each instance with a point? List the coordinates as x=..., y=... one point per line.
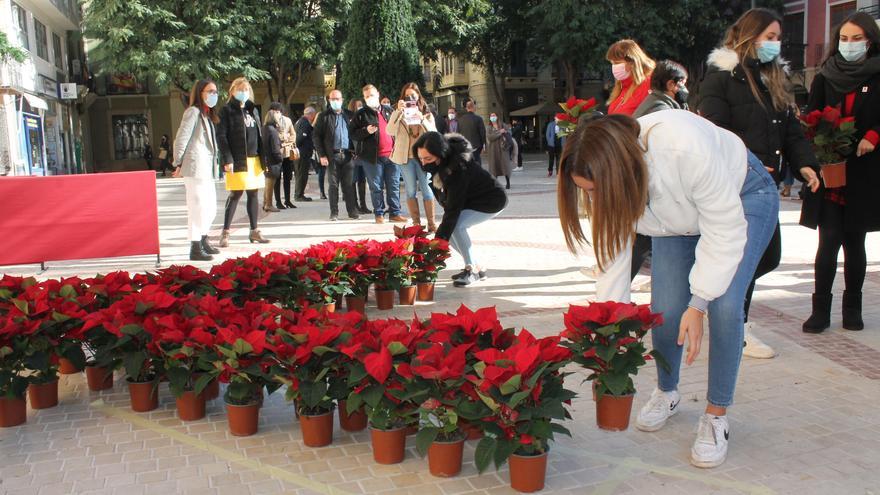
x=696, y=171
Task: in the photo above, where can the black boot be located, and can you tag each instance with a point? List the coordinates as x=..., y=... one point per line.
x=207, y=247
x=821, y=317
x=196, y=253
x=362, y=192
x=852, y=311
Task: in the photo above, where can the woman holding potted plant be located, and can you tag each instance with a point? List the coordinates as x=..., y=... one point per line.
x=849, y=81
x=711, y=209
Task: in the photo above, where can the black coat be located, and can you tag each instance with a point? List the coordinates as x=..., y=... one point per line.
x=272, y=145
x=325, y=131
x=464, y=185
x=727, y=100
x=304, y=143
x=232, y=134
x=471, y=126
x=862, y=211
x=366, y=145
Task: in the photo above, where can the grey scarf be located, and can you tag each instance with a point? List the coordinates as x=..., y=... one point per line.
x=846, y=77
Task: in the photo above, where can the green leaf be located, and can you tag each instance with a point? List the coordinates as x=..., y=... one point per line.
x=617, y=383
x=202, y=382
x=320, y=350
x=488, y=401
x=241, y=346
x=396, y=348
x=503, y=452
x=485, y=453
x=133, y=363
x=424, y=438
x=372, y=395
x=67, y=291
x=21, y=305
x=479, y=368
x=511, y=385
x=131, y=329
x=518, y=397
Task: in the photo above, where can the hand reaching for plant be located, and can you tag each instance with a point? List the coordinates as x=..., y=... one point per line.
x=864, y=148
x=692, y=328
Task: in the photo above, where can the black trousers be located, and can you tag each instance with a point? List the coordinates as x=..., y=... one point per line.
x=832, y=237
x=287, y=176
x=769, y=262
x=302, y=176
x=340, y=173
x=253, y=207
x=553, y=162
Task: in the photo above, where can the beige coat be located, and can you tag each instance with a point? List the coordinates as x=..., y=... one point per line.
x=402, y=151
x=498, y=161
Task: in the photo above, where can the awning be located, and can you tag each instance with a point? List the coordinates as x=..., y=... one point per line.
x=547, y=108
x=36, y=101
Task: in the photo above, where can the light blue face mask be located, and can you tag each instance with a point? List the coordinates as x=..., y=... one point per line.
x=852, y=51
x=768, y=50
x=336, y=105
x=242, y=96
x=212, y=100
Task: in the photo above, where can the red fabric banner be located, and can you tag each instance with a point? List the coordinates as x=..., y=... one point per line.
x=66, y=217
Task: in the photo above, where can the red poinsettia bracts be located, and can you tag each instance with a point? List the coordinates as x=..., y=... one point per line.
x=832, y=136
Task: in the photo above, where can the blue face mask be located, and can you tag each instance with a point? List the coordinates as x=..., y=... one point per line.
x=768, y=50
x=242, y=96
x=212, y=100
x=336, y=105
x=852, y=51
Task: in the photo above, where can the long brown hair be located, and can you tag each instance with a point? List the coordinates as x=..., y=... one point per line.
x=642, y=65
x=195, y=99
x=415, y=87
x=608, y=152
x=740, y=38
x=868, y=25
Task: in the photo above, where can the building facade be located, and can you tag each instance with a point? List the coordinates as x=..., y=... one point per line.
x=40, y=131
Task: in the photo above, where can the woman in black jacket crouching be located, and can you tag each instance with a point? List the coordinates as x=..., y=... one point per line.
x=468, y=194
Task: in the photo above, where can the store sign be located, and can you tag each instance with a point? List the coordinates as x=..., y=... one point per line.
x=67, y=91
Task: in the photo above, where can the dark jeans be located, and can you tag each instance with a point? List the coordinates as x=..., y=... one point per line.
x=383, y=178
x=519, y=148
x=302, y=176
x=831, y=238
x=552, y=160
x=253, y=206
x=287, y=176
x=321, y=171
x=478, y=155
x=340, y=173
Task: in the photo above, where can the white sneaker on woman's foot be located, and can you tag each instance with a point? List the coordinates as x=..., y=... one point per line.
x=754, y=348
x=710, y=447
x=658, y=409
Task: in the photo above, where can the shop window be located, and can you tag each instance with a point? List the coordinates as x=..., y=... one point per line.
x=56, y=49
x=130, y=134
x=19, y=21
x=42, y=40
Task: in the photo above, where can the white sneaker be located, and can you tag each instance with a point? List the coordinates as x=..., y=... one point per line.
x=518, y=169
x=658, y=409
x=710, y=447
x=754, y=348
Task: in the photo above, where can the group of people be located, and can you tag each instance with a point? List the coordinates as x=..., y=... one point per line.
x=697, y=192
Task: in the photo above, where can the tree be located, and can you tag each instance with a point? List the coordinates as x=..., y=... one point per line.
x=176, y=43
x=10, y=52
x=449, y=26
x=380, y=48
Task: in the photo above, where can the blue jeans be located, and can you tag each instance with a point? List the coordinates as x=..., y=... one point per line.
x=414, y=178
x=383, y=176
x=673, y=259
x=460, y=240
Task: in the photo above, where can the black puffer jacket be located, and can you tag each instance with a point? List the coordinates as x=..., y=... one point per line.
x=862, y=212
x=727, y=100
x=462, y=184
x=232, y=134
x=366, y=145
x=272, y=145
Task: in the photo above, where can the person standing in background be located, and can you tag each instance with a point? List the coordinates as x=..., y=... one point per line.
x=554, y=143
x=334, y=148
x=290, y=152
x=631, y=68
x=448, y=123
x=516, y=131
x=471, y=126
x=272, y=156
x=501, y=146
x=303, y=129
x=164, y=154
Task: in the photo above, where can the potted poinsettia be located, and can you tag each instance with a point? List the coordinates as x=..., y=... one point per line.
x=429, y=257
x=833, y=139
x=393, y=272
x=523, y=385
x=13, y=348
x=327, y=260
x=607, y=338
x=361, y=258
x=379, y=375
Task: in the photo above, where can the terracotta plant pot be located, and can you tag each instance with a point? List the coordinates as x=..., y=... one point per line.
x=426, y=291
x=99, y=378
x=244, y=420
x=13, y=411
x=317, y=431
x=834, y=174
x=407, y=295
x=190, y=406
x=67, y=367
x=384, y=299
x=444, y=458
x=528, y=472
x=613, y=411
x=330, y=308
x=471, y=431
x=43, y=395
x=212, y=391
x=356, y=421
x=144, y=395
x=356, y=303
x=389, y=446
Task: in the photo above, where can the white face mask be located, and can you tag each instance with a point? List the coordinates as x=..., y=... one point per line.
x=852, y=51
x=451, y=116
x=373, y=102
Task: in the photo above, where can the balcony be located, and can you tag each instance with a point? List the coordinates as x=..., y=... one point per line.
x=872, y=10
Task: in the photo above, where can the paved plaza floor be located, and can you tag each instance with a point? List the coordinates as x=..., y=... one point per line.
x=805, y=422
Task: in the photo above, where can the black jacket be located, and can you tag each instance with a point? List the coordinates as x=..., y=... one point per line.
x=366, y=145
x=272, y=145
x=462, y=184
x=303, y=129
x=862, y=212
x=232, y=134
x=727, y=100
x=471, y=126
x=325, y=132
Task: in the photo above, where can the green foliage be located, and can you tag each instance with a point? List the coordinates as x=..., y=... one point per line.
x=380, y=48
x=10, y=52
x=449, y=26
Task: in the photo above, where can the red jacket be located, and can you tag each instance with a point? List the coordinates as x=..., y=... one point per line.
x=628, y=106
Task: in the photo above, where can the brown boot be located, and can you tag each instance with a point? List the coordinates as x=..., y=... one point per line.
x=267, y=195
x=429, y=213
x=224, y=238
x=414, y=213
x=256, y=236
